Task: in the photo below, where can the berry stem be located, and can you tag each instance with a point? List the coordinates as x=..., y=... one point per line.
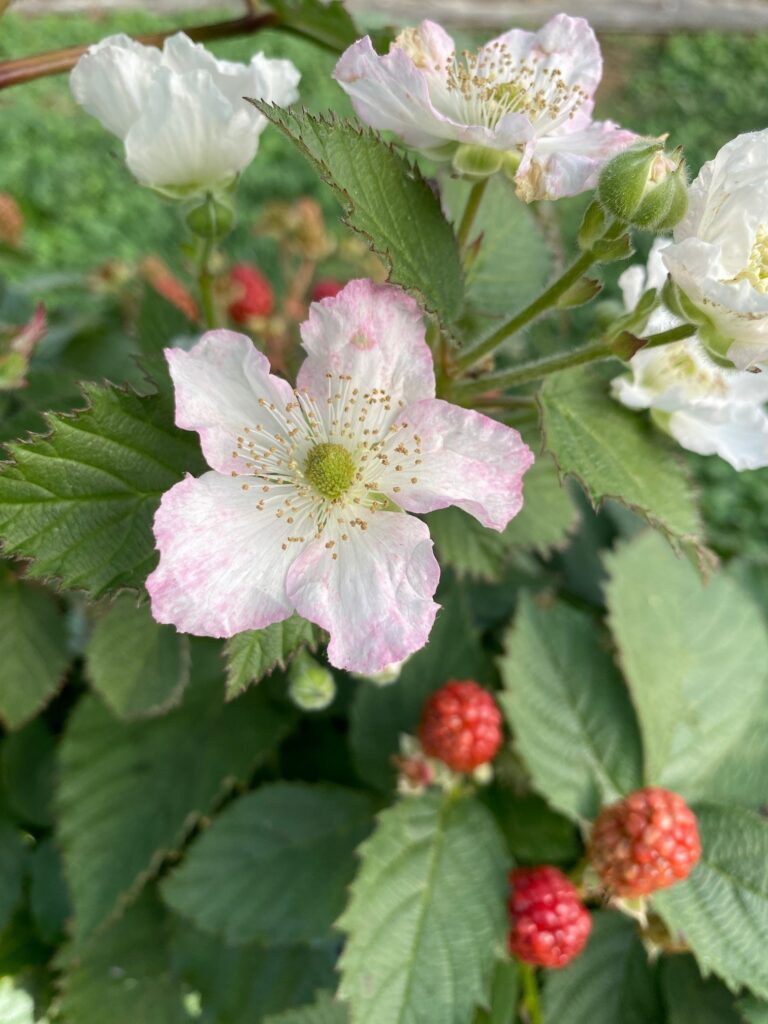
x=531, y=1004
x=470, y=211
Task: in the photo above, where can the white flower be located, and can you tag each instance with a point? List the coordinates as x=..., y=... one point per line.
x=720, y=257
x=707, y=409
x=525, y=99
x=180, y=112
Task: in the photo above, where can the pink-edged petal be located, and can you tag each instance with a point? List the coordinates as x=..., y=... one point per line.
x=566, y=165
x=218, y=385
x=375, y=334
x=375, y=598
x=222, y=565
x=453, y=456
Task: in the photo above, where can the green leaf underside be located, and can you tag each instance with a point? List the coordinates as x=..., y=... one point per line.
x=33, y=649
x=611, y=982
x=274, y=866
x=426, y=915
x=695, y=657
x=131, y=792
x=722, y=907
x=257, y=652
x=614, y=453
x=243, y=984
x=569, y=710
x=387, y=200
x=325, y=1010
x=381, y=714
x=80, y=501
x=124, y=975
x=139, y=667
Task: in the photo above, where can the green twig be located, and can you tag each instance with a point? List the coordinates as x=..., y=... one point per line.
x=474, y=200
x=531, y=1002
x=205, y=283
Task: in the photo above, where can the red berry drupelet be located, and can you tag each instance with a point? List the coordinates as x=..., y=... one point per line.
x=326, y=288
x=461, y=726
x=549, y=925
x=647, y=841
x=252, y=294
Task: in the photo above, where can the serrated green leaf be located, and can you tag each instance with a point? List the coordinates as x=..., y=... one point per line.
x=688, y=997
x=139, y=667
x=513, y=263
x=614, y=453
x=426, y=917
x=325, y=1010
x=504, y=996
x=535, y=833
x=326, y=21
x=381, y=714
x=752, y=1011
x=695, y=657
x=27, y=764
x=570, y=712
x=611, y=982
x=131, y=792
x=80, y=501
x=124, y=973
x=33, y=648
x=387, y=200
x=274, y=866
x=243, y=984
x=48, y=896
x=722, y=907
x=547, y=517
x=13, y=864
x=257, y=652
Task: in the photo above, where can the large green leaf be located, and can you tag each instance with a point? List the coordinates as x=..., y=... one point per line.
x=614, y=453
x=690, y=998
x=244, y=984
x=257, y=652
x=611, y=982
x=13, y=863
x=381, y=714
x=27, y=764
x=427, y=914
x=722, y=907
x=275, y=865
x=123, y=975
x=387, y=200
x=752, y=1011
x=139, y=667
x=131, y=792
x=48, y=896
x=33, y=648
x=569, y=710
x=696, y=660
x=80, y=501
x=324, y=1011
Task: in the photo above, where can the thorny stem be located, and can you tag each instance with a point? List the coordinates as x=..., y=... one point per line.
x=545, y=301
x=531, y=1002
x=526, y=373
x=470, y=211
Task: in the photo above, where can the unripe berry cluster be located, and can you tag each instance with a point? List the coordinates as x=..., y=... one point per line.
x=461, y=726
x=549, y=925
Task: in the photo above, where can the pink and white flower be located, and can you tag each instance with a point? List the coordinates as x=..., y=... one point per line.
x=304, y=508
x=179, y=111
x=525, y=98
x=719, y=259
x=704, y=407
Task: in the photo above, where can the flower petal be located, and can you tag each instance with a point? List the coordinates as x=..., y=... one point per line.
x=375, y=598
x=737, y=433
x=219, y=384
x=222, y=565
x=463, y=458
x=112, y=79
x=375, y=334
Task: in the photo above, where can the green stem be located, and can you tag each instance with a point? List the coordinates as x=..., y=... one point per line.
x=470, y=211
x=205, y=281
x=531, y=994
x=540, y=305
x=526, y=373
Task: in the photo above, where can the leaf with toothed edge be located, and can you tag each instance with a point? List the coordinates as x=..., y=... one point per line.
x=387, y=200
x=258, y=652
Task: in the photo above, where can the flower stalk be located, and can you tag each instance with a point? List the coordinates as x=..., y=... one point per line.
x=531, y=1002
x=474, y=200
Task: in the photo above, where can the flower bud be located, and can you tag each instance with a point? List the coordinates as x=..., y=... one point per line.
x=645, y=187
x=212, y=219
x=311, y=687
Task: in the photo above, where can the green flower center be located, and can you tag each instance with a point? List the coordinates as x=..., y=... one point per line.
x=330, y=470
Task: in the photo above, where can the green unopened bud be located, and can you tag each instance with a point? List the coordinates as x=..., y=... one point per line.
x=645, y=187
x=477, y=162
x=211, y=219
x=311, y=687
x=580, y=292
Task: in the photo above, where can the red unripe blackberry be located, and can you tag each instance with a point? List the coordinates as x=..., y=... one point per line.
x=549, y=925
x=461, y=726
x=647, y=841
x=326, y=288
x=252, y=294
